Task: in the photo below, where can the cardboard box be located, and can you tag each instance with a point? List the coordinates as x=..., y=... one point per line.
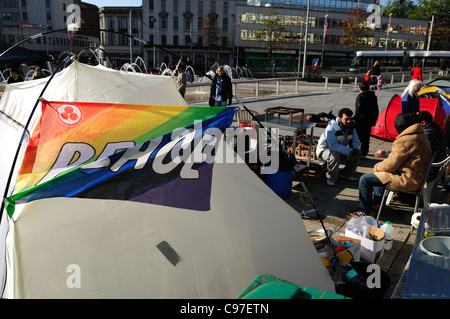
x=370, y=249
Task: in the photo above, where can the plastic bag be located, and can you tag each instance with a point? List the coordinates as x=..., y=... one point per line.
x=360, y=225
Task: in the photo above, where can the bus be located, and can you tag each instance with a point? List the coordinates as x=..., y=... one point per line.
x=258, y=64
x=393, y=61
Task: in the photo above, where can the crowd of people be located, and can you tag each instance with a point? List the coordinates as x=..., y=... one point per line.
x=346, y=141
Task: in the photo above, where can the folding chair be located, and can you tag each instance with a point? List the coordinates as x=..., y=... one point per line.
x=245, y=118
x=418, y=193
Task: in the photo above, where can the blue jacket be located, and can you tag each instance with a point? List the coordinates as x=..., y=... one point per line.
x=335, y=139
x=410, y=104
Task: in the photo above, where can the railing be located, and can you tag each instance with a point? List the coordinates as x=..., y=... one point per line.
x=254, y=85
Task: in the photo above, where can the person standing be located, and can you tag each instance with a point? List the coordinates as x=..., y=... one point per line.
x=443, y=67
x=340, y=144
x=416, y=73
x=221, y=90
x=410, y=98
x=189, y=72
x=376, y=71
x=366, y=115
x=181, y=80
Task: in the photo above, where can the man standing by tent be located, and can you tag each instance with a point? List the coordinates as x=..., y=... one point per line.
x=366, y=115
x=340, y=143
x=221, y=90
x=181, y=80
x=403, y=170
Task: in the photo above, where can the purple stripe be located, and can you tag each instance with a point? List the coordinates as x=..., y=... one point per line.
x=179, y=193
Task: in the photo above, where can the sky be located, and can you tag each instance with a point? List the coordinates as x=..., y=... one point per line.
x=115, y=3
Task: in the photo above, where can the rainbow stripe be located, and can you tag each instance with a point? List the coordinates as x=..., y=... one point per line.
x=66, y=155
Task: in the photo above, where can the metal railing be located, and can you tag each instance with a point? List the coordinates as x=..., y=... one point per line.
x=255, y=86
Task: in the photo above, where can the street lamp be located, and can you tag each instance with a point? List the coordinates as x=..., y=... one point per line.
x=323, y=39
x=153, y=20
x=387, y=32
x=306, y=40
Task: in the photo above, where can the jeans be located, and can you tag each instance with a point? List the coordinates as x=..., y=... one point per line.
x=220, y=103
x=333, y=160
x=370, y=185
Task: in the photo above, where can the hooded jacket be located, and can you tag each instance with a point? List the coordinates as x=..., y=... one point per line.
x=366, y=108
x=407, y=165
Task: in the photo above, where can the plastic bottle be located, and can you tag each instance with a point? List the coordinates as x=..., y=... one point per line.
x=388, y=235
x=428, y=232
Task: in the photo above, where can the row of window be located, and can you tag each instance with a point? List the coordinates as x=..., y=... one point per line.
x=11, y=38
x=187, y=8
x=331, y=39
x=333, y=23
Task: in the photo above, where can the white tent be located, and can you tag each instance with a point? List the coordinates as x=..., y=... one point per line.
x=86, y=248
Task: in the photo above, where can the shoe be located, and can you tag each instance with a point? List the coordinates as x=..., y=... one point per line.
x=350, y=178
x=330, y=182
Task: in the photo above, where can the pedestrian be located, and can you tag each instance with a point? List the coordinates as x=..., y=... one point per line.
x=443, y=67
x=14, y=76
x=410, y=97
x=221, y=90
x=189, y=72
x=181, y=80
x=403, y=170
x=416, y=73
x=380, y=82
x=376, y=71
x=340, y=144
x=366, y=115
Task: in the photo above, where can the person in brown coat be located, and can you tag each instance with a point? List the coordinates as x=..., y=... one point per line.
x=403, y=170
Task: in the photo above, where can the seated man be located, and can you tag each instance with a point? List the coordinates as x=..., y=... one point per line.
x=340, y=144
x=403, y=170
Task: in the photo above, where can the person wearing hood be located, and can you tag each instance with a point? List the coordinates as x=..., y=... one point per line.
x=403, y=170
x=366, y=115
x=340, y=144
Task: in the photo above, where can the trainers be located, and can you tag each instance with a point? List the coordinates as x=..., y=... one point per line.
x=330, y=182
x=349, y=178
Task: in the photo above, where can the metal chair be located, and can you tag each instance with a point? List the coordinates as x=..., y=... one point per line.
x=418, y=193
x=430, y=185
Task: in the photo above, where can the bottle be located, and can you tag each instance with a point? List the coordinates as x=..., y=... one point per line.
x=353, y=277
x=388, y=235
x=428, y=232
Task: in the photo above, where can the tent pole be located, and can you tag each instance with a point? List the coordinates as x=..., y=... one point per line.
x=25, y=130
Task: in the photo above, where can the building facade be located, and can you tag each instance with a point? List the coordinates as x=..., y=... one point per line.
x=22, y=19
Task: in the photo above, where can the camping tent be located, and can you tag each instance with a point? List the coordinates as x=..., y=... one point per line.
x=20, y=55
x=385, y=128
x=123, y=249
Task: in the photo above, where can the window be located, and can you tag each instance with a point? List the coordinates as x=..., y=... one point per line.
x=163, y=39
x=188, y=5
x=175, y=6
x=151, y=5
x=163, y=6
x=175, y=23
x=225, y=24
x=175, y=39
x=163, y=23
x=187, y=23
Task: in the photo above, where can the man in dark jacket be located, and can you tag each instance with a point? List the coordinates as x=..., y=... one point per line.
x=366, y=115
x=436, y=137
x=221, y=90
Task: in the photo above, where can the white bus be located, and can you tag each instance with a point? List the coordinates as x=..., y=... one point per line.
x=400, y=60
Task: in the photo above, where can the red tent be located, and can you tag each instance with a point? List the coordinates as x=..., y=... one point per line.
x=385, y=129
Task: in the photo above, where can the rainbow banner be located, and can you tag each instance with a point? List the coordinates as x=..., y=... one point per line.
x=141, y=153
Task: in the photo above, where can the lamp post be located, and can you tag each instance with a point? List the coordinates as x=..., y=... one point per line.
x=387, y=32
x=429, y=34
x=325, y=26
x=154, y=41
x=300, y=51
x=306, y=40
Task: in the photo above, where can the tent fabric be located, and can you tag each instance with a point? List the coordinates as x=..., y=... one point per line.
x=113, y=244
x=93, y=248
x=385, y=128
x=84, y=83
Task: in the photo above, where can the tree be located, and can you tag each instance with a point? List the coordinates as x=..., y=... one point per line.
x=399, y=10
x=355, y=30
x=272, y=32
x=210, y=32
